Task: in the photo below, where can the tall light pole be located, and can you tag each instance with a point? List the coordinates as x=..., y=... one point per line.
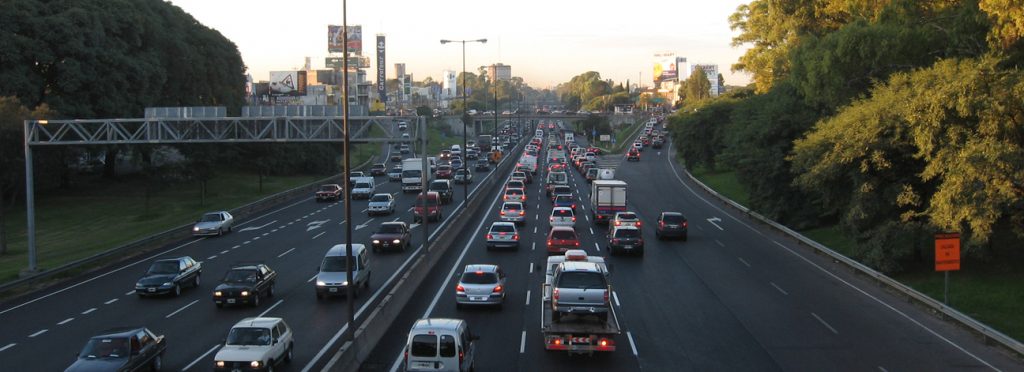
x=350, y=288
x=465, y=115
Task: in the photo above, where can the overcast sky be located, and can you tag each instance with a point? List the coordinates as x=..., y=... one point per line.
x=545, y=42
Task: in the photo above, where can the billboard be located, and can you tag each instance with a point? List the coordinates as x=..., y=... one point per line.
x=353, y=45
x=665, y=67
x=353, y=62
x=381, y=70
x=287, y=83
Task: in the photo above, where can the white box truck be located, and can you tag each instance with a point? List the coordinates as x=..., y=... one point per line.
x=607, y=197
x=412, y=174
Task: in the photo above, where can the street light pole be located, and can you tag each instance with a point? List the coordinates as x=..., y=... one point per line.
x=350, y=288
x=465, y=113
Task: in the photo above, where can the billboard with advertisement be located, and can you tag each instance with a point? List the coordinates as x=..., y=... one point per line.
x=288, y=83
x=381, y=70
x=353, y=45
x=353, y=62
x=665, y=67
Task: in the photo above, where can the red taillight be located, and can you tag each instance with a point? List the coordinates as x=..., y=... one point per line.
x=551, y=219
x=685, y=224
x=558, y=341
x=637, y=223
x=615, y=241
x=606, y=296
x=459, y=288
x=489, y=236
x=574, y=206
x=498, y=289
x=574, y=219
x=550, y=243
x=604, y=342
x=502, y=213
x=506, y=197
x=661, y=223
x=554, y=294
x=577, y=243
x=515, y=237
x=618, y=223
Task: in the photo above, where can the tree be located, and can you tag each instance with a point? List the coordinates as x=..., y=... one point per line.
x=698, y=87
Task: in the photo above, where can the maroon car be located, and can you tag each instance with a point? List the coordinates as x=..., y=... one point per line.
x=329, y=192
x=443, y=171
x=391, y=235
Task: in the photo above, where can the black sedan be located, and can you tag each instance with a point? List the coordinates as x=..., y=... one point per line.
x=245, y=284
x=122, y=349
x=169, y=276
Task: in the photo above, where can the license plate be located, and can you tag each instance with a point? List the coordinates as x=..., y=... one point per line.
x=477, y=298
x=231, y=300
x=152, y=289
x=423, y=365
x=627, y=246
x=333, y=289
x=385, y=244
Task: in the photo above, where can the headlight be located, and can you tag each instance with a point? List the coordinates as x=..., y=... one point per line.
x=195, y=228
x=245, y=293
x=396, y=241
x=217, y=294
x=375, y=241
x=344, y=283
x=220, y=364
x=320, y=283
x=138, y=285
x=167, y=284
x=255, y=364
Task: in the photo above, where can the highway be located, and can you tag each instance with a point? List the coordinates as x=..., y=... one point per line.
x=44, y=331
x=735, y=296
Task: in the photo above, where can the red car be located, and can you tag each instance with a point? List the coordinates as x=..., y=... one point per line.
x=329, y=192
x=443, y=171
x=561, y=239
x=594, y=150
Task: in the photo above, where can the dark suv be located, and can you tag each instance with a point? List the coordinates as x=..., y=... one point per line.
x=443, y=188
x=623, y=239
x=671, y=224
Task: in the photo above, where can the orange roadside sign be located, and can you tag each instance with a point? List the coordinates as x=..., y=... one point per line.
x=947, y=252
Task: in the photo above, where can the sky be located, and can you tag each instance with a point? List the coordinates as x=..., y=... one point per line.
x=546, y=42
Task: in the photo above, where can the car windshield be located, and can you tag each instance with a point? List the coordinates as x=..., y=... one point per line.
x=333, y=264
x=411, y=173
x=563, y=199
x=563, y=235
x=248, y=336
x=672, y=218
x=212, y=217
x=512, y=206
x=390, y=228
x=164, y=267
x=627, y=233
x=514, y=192
x=105, y=347
x=479, y=277
x=439, y=185
x=627, y=216
x=502, y=228
x=328, y=188
x=581, y=280
x=562, y=213
x=362, y=185
x=240, y=276
x=430, y=202
x=562, y=190
x=380, y=198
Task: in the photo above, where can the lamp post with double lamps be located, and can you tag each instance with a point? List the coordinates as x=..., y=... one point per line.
x=465, y=161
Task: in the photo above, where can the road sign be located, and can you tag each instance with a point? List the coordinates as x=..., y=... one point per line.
x=606, y=137
x=947, y=252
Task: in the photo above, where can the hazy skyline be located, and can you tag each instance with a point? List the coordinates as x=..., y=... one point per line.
x=545, y=42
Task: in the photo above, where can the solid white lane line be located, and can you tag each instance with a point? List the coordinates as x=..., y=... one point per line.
x=522, y=343
x=779, y=288
x=615, y=295
x=211, y=257
x=824, y=323
x=180, y=309
x=527, y=297
x=631, y=343
x=720, y=244
x=224, y=251
x=65, y=321
x=271, y=307
x=37, y=333
x=285, y=252
x=743, y=261
x=129, y=293
x=10, y=345
x=597, y=247
x=88, y=311
x=215, y=347
x=311, y=279
x=110, y=302
x=318, y=235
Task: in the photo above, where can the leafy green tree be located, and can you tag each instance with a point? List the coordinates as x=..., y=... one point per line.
x=697, y=87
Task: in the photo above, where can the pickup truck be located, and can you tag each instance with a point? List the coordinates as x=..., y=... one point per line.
x=576, y=290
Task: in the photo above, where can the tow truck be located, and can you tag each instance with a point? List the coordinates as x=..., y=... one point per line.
x=579, y=334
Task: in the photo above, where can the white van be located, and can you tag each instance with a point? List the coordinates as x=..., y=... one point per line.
x=440, y=344
x=456, y=150
x=364, y=188
x=332, y=277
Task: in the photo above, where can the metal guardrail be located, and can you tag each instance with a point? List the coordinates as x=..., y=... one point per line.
x=988, y=334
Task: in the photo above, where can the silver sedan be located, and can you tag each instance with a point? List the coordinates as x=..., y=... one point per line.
x=480, y=285
x=213, y=223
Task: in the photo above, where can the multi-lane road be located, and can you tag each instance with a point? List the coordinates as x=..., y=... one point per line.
x=44, y=331
x=735, y=296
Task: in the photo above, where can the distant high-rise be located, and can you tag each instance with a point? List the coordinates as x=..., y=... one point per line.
x=499, y=71
x=449, y=84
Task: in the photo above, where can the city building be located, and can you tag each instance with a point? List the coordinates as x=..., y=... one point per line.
x=499, y=71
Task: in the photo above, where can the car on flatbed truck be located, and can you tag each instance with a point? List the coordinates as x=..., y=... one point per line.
x=571, y=276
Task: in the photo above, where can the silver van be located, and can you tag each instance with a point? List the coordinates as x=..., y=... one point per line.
x=440, y=344
x=332, y=279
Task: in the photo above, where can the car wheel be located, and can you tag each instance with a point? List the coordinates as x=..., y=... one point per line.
x=177, y=290
x=158, y=363
x=256, y=299
x=288, y=354
x=195, y=282
x=220, y=232
x=270, y=366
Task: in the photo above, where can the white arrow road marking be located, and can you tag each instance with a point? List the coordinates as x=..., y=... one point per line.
x=313, y=225
x=413, y=226
x=250, y=228
x=365, y=224
x=10, y=345
x=712, y=220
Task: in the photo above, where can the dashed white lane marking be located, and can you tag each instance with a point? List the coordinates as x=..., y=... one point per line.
x=224, y=251
x=535, y=229
x=291, y=223
x=280, y=227
x=10, y=345
x=631, y=343
x=522, y=343
x=37, y=333
x=129, y=293
x=533, y=246
x=271, y=308
x=246, y=242
x=536, y=217
x=880, y=368
x=236, y=247
x=110, y=302
x=363, y=211
x=318, y=235
x=215, y=347
x=720, y=244
x=591, y=231
x=743, y=261
x=285, y=252
x=65, y=321
x=699, y=227
x=88, y=311
x=583, y=206
x=615, y=295
x=311, y=279
x=527, y=297
x=181, y=309
x=779, y=288
x=587, y=216
x=597, y=247
x=211, y=257
x=824, y=323
x=255, y=238
x=265, y=234
x=273, y=231
x=297, y=220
